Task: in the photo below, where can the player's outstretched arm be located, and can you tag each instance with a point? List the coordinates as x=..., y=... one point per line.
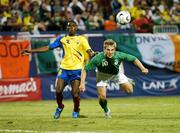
x=141, y=67
x=82, y=83
x=38, y=50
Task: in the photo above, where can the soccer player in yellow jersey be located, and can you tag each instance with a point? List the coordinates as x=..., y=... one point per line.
x=73, y=46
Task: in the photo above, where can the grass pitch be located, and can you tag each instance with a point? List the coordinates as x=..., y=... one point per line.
x=129, y=115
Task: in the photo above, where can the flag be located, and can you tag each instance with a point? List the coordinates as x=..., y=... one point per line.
x=46, y=62
x=159, y=50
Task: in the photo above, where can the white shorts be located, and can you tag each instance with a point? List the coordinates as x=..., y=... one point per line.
x=102, y=79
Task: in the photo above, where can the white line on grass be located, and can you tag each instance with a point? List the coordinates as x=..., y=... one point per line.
x=31, y=131
x=134, y=104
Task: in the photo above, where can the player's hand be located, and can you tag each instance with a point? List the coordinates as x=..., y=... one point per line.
x=96, y=52
x=82, y=87
x=145, y=71
x=24, y=52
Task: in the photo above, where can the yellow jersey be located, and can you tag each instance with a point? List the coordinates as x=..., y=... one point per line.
x=74, y=49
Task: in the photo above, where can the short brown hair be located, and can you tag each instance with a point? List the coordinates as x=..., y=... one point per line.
x=109, y=42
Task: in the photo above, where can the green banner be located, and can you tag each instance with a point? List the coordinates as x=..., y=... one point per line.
x=46, y=62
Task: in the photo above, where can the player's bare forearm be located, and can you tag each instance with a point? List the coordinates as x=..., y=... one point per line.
x=38, y=50
x=82, y=83
x=83, y=76
x=141, y=67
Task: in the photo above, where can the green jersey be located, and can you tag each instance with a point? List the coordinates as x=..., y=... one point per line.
x=108, y=65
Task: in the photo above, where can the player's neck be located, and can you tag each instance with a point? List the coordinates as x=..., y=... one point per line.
x=72, y=34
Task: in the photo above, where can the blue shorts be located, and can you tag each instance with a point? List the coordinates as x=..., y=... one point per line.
x=69, y=75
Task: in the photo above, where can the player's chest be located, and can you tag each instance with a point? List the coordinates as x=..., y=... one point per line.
x=110, y=62
x=72, y=42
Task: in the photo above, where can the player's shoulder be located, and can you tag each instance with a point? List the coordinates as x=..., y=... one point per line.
x=123, y=54
x=99, y=55
x=60, y=37
x=81, y=36
x=84, y=36
x=119, y=54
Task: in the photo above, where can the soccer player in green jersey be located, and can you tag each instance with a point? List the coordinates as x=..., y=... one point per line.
x=107, y=64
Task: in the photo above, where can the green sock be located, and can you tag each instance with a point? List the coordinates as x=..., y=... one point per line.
x=103, y=103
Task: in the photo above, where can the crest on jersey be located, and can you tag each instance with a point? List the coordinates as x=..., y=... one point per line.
x=104, y=63
x=78, y=42
x=67, y=41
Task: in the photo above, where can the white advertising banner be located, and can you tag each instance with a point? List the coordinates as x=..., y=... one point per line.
x=156, y=49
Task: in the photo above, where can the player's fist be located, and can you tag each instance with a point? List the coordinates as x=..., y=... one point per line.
x=82, y=87
x=24, y=52
x=97, y=52
x=145, y=71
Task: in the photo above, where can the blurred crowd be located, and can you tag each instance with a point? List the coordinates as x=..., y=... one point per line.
x=49, y=15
